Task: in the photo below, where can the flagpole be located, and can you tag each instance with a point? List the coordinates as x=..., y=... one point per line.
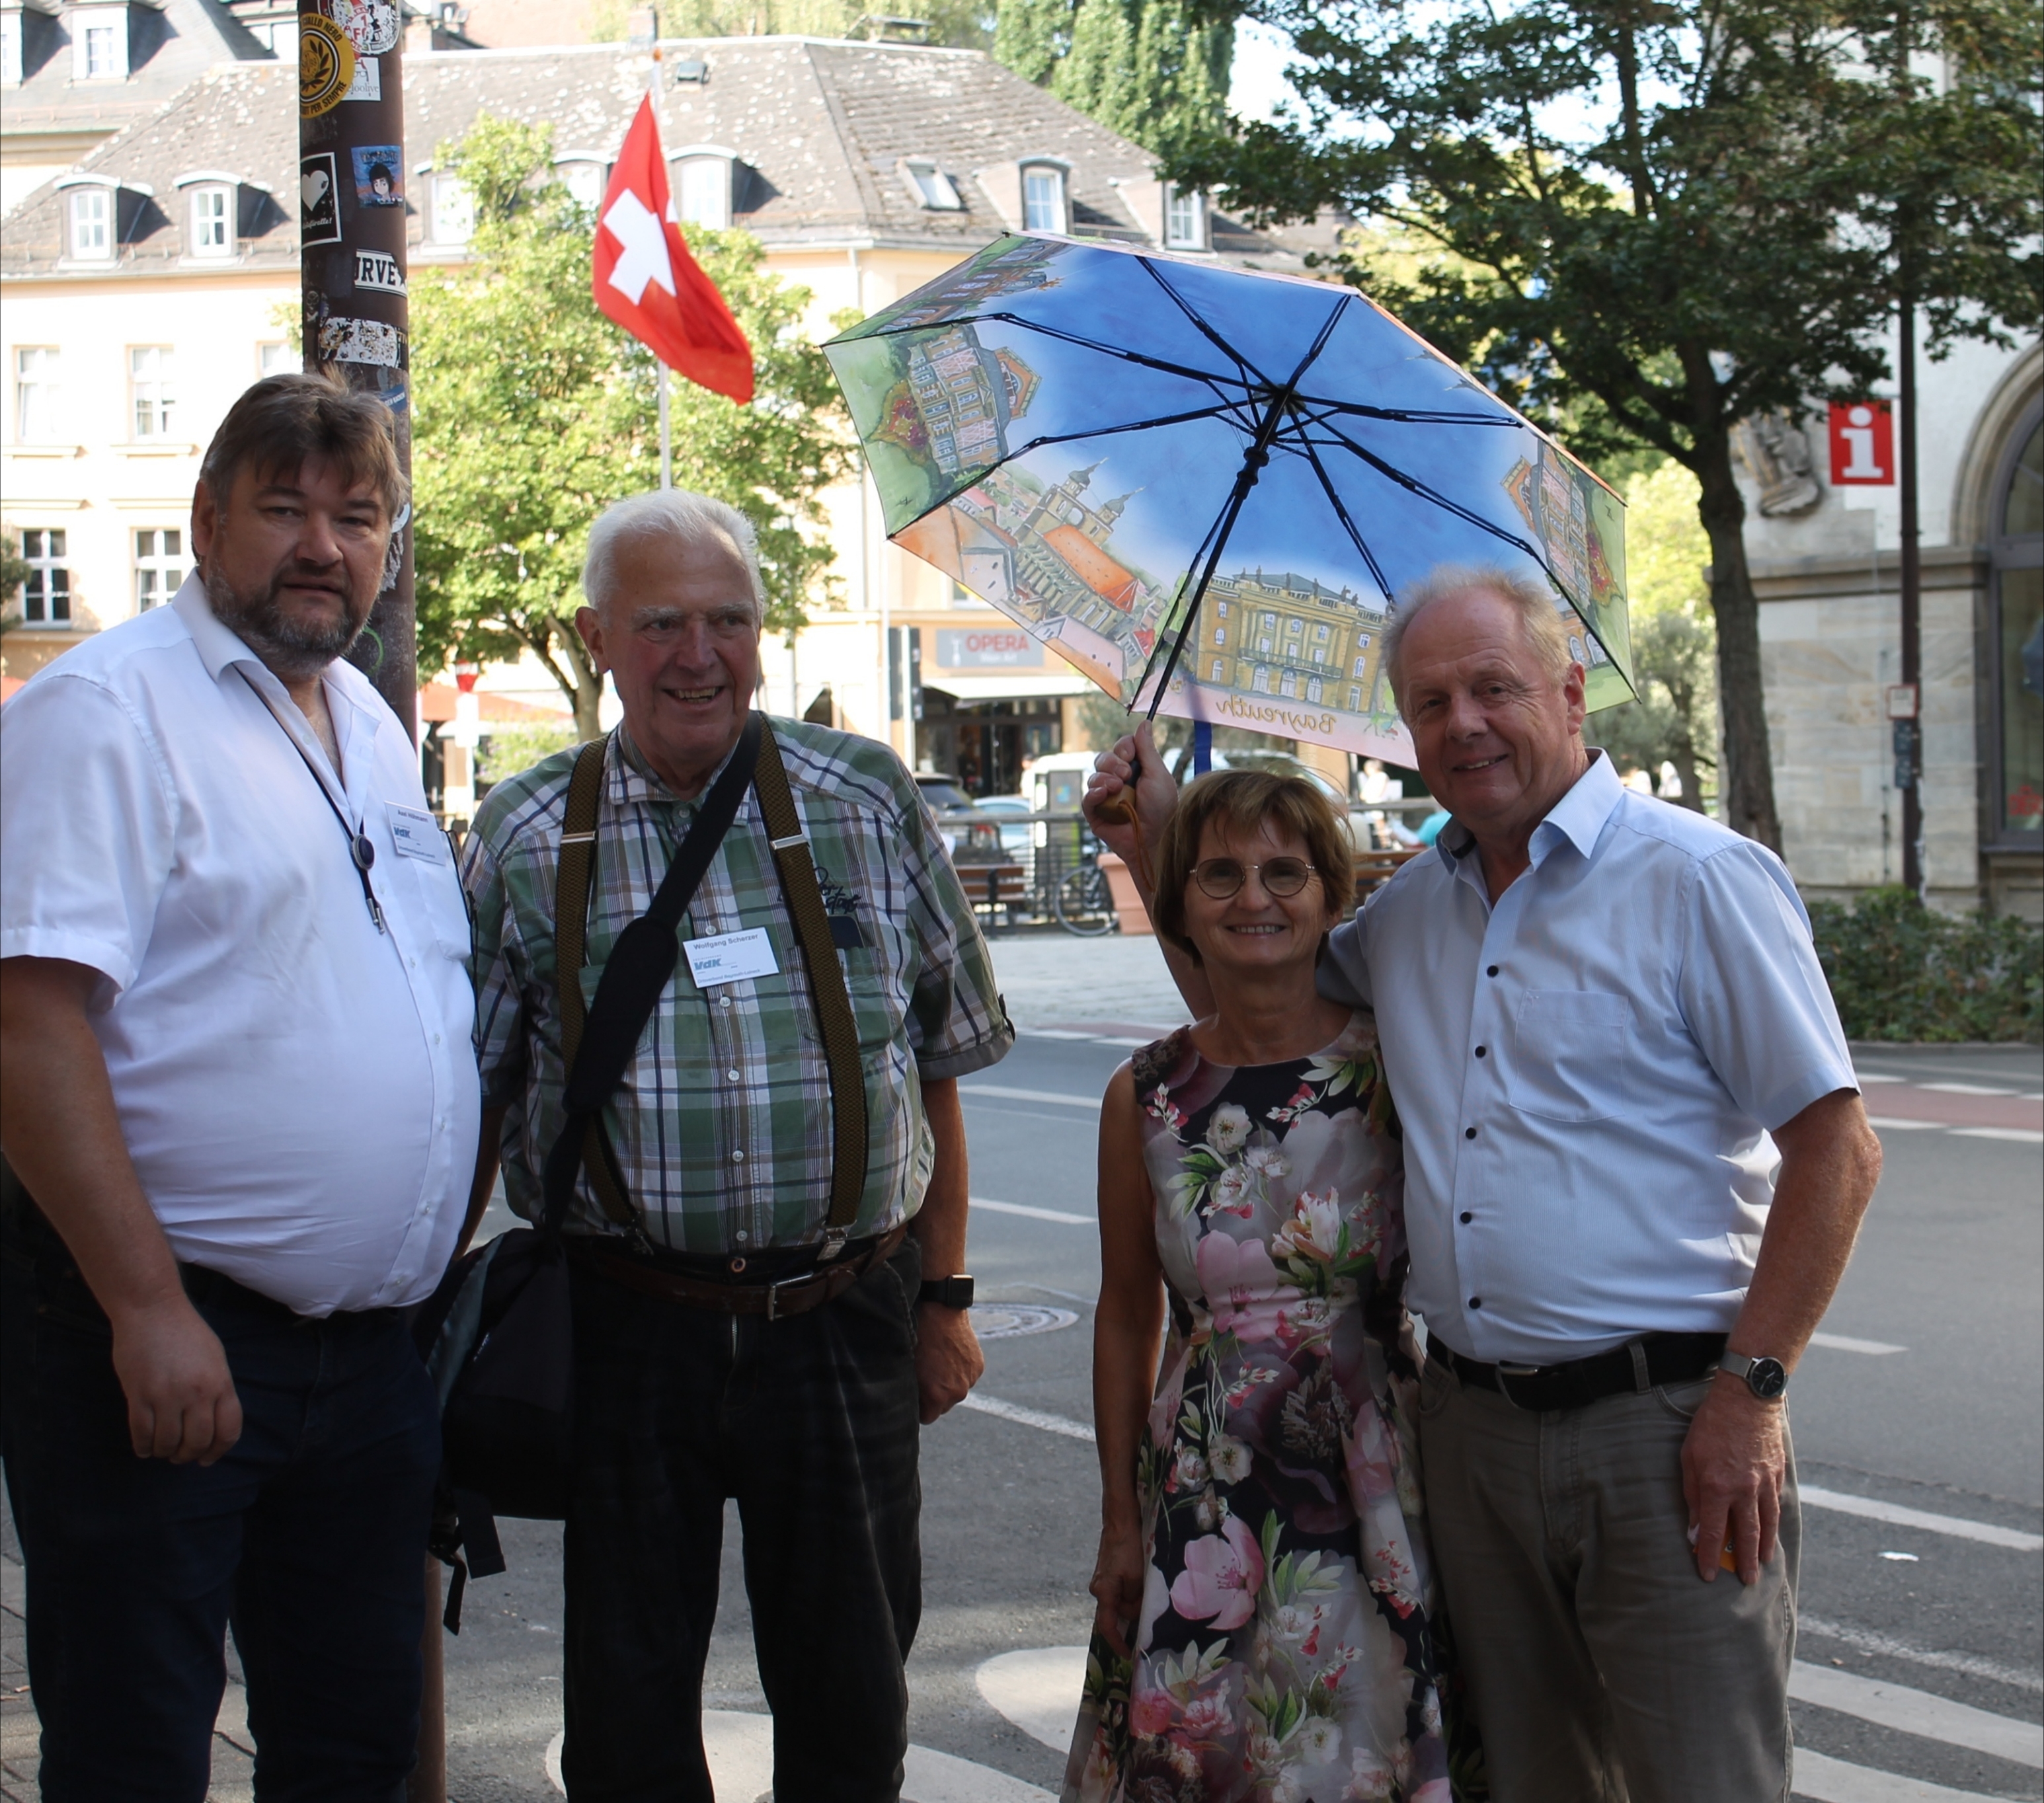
x=667, y=431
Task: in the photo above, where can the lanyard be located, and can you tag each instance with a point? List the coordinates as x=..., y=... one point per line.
x=361, y=851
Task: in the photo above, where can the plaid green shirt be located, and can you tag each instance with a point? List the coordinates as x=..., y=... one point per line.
x=722, y=1126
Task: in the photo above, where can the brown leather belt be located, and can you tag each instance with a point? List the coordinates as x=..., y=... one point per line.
x=808, y=1289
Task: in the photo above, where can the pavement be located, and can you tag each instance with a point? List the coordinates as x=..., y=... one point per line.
x=1919, y=1419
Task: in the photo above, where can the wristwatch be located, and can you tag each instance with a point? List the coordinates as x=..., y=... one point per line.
x=947, y=1292
x=1766, y=1378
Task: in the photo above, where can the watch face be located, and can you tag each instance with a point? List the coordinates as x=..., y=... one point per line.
x=1765, y=1377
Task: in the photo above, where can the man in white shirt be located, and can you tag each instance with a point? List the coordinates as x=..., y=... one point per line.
x=1636, y=1160
x=239, y=1106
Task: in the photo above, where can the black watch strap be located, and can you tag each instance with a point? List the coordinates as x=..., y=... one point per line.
x=951, y=1292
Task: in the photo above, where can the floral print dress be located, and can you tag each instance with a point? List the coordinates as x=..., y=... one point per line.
x=1287, y=1650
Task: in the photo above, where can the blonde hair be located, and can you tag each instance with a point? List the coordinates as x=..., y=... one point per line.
x=1537, y=605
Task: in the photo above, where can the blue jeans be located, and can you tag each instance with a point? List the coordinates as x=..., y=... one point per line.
x=309, y=1536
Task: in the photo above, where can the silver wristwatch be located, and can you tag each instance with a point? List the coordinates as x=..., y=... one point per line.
x=1768, y=1378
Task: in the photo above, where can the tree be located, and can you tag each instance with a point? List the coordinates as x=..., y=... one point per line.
x=1154, y=71
x=1674, y=720
x=532, y=413
x=14, y=573
x=1657, y=217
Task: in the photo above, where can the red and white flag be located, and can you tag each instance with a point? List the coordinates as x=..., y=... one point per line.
x=646, y=280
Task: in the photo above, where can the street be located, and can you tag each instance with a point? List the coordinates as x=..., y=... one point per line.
x=1918, y=1420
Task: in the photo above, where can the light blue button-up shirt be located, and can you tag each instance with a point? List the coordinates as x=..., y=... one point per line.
x=1587, y=1071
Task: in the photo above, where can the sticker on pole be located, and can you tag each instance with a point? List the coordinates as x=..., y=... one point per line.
x=362, y=341
x=319, y=205
x=326, y=65
x=371, y=25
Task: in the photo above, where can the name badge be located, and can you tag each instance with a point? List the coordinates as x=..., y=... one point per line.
x=730, y=957
x=416, y=835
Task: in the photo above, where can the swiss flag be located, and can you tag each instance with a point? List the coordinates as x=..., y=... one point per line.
x=646, y=280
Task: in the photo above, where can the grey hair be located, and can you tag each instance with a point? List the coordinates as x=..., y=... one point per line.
x=1532, y=600
x=691, y=519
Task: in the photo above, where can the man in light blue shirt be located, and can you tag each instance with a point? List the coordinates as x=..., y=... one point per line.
x=1636, y=1160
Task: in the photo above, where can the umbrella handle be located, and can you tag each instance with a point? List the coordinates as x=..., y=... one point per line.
x=1117, y=808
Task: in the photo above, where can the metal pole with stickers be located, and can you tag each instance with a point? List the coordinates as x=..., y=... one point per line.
x=352, y=215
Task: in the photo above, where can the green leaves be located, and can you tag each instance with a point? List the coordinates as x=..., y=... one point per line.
x=1901, y=971
x=533, y=412
x=1154, y=71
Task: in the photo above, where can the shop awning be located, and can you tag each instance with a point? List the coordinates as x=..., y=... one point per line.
x=1016, y=685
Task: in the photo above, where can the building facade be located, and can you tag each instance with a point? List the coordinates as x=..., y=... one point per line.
x=149, y=282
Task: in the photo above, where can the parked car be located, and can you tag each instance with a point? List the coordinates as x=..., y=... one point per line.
x=971, y=836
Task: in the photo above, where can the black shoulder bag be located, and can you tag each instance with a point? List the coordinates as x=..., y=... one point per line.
x=498, y=1335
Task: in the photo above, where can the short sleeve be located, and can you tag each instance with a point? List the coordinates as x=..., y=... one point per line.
x=88, y=819
x=1343, y=974
x=500, y=1025
x=957, y=1021
x=1752, y=991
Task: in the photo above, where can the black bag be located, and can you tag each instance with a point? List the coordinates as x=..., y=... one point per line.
x=498, y=1334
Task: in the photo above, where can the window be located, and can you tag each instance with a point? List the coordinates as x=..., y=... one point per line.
x=92, y=222
x=1354, y=700
x=1295, y=627
x=1260, y=681
x=1218, y=667
x=2019, y=643
x=1313, y=689
x=584, y=178
x=38, y=394
x=1221, y=609
x=1043, y=199
x=1359, y=663
x=149, y=376
x=46, y=594
x=212, y=222
x=1220, y=636
x=100, y=63
x=1320, y=632
x=10, y=48
x=1289, y=686
x=454, y=210
x=275, y=360
x=703, y=196
x=1183, y=220
x=1269, y=620
x=931, y=185
x=1319, y=653
x=159, y=566
x=1263, y=644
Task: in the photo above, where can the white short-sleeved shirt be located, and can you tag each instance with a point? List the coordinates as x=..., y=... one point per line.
x=297, y=1090
x=1586, y=1073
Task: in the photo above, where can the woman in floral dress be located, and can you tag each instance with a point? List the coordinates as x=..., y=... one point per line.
x=1265, y=1629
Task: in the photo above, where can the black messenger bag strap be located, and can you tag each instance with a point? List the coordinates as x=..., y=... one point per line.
x=641, y=964
x=826, y=990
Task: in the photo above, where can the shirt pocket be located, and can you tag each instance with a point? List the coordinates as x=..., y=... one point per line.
x=1570, y=1053
x=874, y=980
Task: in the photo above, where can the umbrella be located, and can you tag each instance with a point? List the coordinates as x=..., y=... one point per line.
x=1204, y=488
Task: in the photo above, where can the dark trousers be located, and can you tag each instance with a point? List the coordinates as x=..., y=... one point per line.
x=811, y=1423
x=310, y=1536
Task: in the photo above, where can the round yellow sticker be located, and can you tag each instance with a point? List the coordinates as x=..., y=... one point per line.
x=326, y=65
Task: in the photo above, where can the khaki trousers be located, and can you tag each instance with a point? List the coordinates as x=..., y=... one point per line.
x=1601, y=1668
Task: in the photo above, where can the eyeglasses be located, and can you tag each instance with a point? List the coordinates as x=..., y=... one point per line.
x=1220, y=877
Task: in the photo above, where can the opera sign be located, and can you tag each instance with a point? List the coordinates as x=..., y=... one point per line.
x=988, y=648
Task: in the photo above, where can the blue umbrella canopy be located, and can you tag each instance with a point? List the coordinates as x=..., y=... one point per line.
x=1205, y=488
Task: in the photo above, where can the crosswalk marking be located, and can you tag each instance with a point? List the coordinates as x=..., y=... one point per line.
x=1845, y=1343
x=1970, y=1665
x=1825, y=1780
x=1027, y=1417
x=1987, y=1533
x=1024, y=1209
x=1007, y=1093
x=1919, y=1712
x=1965, y=1089
x=1892, y=1123
x=2020, y=1136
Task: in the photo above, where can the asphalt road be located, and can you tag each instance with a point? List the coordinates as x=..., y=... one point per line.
x=1920, y=1675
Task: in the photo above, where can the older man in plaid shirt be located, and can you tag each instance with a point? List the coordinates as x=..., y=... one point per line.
x=723, y=1136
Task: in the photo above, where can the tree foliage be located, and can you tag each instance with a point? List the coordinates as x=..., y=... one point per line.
x=1675, y=719
x=532, y=413
x=1649, y=219
x=1154, y=71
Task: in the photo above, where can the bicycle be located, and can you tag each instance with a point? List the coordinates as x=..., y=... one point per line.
x=1082, y=902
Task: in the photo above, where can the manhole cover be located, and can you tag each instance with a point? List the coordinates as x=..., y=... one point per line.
x=1010, y=1321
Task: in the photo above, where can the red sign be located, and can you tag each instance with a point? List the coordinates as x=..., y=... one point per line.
x=1862, y=444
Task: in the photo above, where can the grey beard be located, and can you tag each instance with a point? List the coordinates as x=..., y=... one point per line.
x=287, y=648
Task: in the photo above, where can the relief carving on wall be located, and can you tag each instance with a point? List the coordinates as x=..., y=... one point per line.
x=1777, y=455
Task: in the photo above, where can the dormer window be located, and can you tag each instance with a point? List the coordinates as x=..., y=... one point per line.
x=99, y=43
x=1185, y=219
x=91, y=212
x=10, y=48
x=585, y=175
x=701, y=175
x=930, y=186
x=1043, y=198
x=212, y=223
